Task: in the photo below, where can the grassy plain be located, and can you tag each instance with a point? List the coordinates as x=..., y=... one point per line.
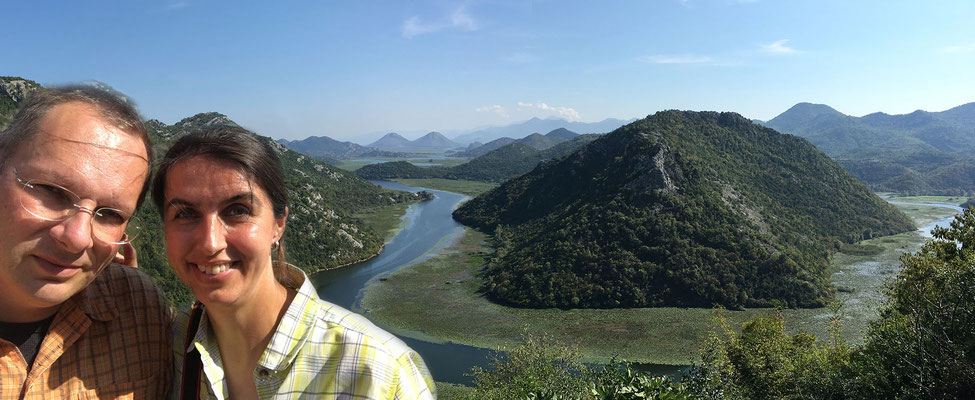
x=352, y=165
x=470, y=188
x=439, y=298
x=953, y=200
x=384, y=220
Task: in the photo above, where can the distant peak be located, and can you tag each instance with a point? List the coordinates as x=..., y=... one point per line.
x=812, y=108
x=206, y=119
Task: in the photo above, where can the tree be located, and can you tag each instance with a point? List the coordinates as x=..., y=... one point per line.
x=923, y=346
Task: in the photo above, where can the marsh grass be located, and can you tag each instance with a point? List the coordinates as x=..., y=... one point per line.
x=352, y=165
x=953, y=200
x=384, y=220
x=470, y=188
x=440, y=298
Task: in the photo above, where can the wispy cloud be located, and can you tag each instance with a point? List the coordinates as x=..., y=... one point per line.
x=459, y=18
x=778, y=47
x=676, y=59
x=497, y=109
x=565, y=112
x=965, y=48
x=176, y=5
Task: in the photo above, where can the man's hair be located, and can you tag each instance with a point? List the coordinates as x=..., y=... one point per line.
x=113, y=108
x=244, y=151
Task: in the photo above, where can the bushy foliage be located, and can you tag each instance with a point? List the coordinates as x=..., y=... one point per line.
x=682, y=209
x=619, y=381
x=921, y=347
x=543, y=368
x=766, y=362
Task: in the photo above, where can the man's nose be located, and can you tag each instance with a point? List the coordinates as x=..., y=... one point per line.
x=74, y=233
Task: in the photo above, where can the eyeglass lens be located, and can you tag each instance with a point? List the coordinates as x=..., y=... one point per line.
x=54, y=203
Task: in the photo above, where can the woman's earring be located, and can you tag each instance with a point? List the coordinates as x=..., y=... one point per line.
x=274, y=246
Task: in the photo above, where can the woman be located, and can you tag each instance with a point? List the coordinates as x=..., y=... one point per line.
x=259, y=329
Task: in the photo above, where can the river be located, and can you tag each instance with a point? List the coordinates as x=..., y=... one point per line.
x=427, y=228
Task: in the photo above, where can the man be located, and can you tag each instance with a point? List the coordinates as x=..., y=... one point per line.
x=74, y=167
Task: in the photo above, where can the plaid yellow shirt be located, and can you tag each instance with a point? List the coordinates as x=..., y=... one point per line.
x=317, y=351
x=112, y=340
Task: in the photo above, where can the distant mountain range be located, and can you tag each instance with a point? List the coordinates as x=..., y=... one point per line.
x=679, y=209
x=433, y=141
x=918, y=153
x=395, y=145
x=536, y=125
x=535, y=140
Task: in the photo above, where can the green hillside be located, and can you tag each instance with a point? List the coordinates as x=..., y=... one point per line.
x=917, y=153
x=497, y=165
x=678, y=209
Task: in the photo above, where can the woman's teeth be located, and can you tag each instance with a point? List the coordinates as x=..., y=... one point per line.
x=213, y=269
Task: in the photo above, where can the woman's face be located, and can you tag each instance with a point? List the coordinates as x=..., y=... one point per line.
x=219, y=228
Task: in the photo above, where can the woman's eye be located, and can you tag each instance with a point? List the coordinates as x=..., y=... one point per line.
x=184, y=214
x=237, y=211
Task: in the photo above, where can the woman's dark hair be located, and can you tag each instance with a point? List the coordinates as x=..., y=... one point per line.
x=252, y=156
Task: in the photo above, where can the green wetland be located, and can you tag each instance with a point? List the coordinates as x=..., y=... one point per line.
x=438, y=300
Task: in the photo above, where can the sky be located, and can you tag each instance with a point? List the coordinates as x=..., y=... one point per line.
x=354, y=70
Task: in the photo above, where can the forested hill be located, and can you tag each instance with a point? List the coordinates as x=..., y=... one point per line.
x=917, y=153
x=321, y=232
x=679, y=209
x=497, y=165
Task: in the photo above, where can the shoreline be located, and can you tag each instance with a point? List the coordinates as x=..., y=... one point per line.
x=381, y=247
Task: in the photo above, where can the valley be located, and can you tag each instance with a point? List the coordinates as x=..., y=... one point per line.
x=458, y=313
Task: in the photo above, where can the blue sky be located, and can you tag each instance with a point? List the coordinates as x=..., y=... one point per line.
x=355, y=69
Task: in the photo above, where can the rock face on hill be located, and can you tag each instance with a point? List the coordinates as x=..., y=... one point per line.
x=678, y=209
x=13, y=90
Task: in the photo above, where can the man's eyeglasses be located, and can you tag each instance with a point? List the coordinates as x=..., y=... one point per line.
x=52, y=202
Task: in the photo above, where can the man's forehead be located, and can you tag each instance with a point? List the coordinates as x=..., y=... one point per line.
x=82, y=124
